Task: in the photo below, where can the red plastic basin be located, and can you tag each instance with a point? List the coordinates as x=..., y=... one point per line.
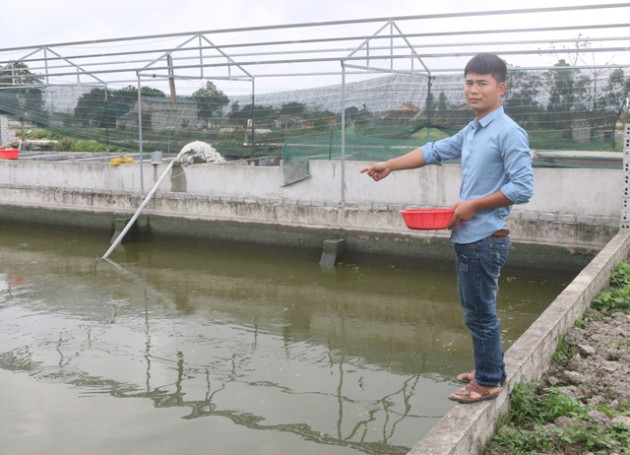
x=427, y=218
x=9, y=154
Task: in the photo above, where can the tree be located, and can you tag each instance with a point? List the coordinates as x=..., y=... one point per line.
x=442, y=109
x=91, y=107
x=520, y=99
x=18, y=74
x=616, y=91
x=580, y=58
x=430, y=103
x=594, y=100
x=443, y=103
x=209, y=100
x=260, y=113
x=129, y=94
x=239, y=114
x=568, y=94
x=101, y=108
x=19, y=92
x=321, y=118
x=352, y=113
x=292, y=108
x=616, y=100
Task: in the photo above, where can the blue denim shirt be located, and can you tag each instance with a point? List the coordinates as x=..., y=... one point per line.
x=494, y=155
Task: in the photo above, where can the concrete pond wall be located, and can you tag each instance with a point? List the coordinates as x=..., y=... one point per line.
x=572, y=207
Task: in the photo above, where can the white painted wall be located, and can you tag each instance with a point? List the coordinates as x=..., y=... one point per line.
x=578, y=192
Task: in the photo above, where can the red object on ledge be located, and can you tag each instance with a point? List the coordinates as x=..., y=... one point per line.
x=427, y=218
x=9, y=154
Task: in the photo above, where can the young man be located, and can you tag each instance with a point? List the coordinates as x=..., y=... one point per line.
x=496, y=173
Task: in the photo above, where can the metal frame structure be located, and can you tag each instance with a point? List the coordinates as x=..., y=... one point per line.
x=441, y=37
x=422, y=45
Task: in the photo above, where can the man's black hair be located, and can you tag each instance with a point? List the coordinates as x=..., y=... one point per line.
x=486, y=63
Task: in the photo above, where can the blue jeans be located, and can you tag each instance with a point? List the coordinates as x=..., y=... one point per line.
x=478, y=268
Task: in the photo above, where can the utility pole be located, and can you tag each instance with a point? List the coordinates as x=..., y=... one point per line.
x=171, y=78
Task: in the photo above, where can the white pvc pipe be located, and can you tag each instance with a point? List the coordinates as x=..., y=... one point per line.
x=142, y=206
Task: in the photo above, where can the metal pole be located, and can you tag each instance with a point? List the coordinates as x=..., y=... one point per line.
x=142, y=206
x=253, y=116
x=171, y=79
x=343, y=133
x=429, y=107
x=625, y=202
x=140, y=132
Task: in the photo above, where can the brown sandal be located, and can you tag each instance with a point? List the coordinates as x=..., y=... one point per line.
x=465, y=394
x=466, y=377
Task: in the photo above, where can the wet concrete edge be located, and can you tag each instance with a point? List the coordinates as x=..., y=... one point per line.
x=466, y=429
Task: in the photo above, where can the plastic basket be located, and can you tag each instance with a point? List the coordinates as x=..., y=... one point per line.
x=427, y=218
x=9, y=154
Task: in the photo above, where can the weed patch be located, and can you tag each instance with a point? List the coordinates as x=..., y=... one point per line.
x=581, y=405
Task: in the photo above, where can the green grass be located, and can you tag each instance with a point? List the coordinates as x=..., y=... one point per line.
x=524, y=430
x=564, y=352
x=617, y=297
x=559, y=140
x=231, y=143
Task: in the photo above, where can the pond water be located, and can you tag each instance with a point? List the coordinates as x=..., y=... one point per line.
x=181, y=348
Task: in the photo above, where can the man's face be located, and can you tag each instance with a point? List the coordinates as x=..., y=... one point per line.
x=483, y=93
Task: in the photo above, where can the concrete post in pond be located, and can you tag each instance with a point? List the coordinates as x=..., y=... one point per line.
x=331, y=253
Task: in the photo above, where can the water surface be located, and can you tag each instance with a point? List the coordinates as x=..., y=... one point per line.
x=183, y=349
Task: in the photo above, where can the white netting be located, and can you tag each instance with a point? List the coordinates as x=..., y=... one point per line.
x=199, y=152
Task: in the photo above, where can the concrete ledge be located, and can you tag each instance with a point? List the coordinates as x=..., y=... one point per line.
x=541, y=228
x=466, y=428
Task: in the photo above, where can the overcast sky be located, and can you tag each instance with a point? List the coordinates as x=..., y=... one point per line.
x=28, y=23
x=62, y=21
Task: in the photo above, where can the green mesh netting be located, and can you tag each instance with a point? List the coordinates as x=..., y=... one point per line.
x=561, y=109
x=297, y=151
x=357, y=147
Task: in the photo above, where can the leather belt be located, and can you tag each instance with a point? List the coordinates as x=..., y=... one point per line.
x=501, y=233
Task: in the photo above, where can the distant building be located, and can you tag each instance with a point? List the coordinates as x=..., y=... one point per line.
x=160, y=115
x=403, y=114
x=405, y=110
x=289, y=121
x=6, y=135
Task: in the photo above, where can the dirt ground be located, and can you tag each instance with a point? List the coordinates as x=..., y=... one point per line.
x=599, y=371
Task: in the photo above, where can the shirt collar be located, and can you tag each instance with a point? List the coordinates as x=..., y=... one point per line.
x=486, y=119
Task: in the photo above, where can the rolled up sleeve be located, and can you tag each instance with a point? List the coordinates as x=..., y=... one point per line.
x=449, y=148
x=519, y=187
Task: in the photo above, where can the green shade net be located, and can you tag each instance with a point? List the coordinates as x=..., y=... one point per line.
x=298, y=151
x=562, y=109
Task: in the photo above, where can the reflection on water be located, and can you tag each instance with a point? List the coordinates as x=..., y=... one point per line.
x=225, y=350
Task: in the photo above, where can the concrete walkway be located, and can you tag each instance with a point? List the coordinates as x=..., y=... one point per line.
x=466, y=428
